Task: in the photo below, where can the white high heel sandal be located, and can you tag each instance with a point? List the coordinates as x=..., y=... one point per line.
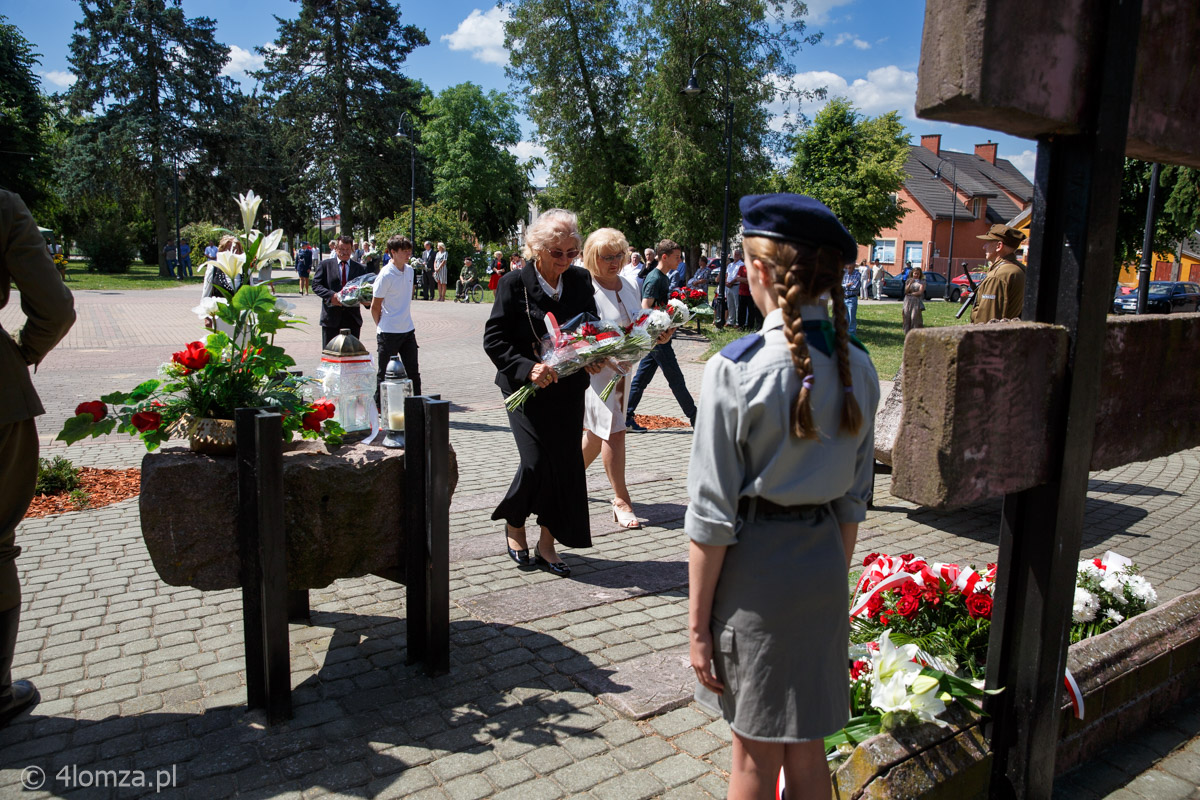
x=626, y=519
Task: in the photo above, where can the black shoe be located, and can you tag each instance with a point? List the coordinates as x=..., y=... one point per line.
x=521, y=558
x=632, y=425
x=15, y=696
x=22, y=696
x=559, y=568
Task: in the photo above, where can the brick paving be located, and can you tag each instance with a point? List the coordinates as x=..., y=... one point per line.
x=138, y=675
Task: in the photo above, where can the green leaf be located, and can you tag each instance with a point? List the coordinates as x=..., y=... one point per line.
x=115, y=398
x=76, y=428
x=256, y=299
x=143, y=391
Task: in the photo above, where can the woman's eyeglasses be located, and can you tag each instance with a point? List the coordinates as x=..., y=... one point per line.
x=612, y=258
x=559, y=254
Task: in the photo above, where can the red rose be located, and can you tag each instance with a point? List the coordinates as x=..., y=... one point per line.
x=911, y=589
x=312, y=421
x=194, y=357
x=146, y=420
x=874, y=604
x=857, y=669
x=907, y=556
x=588, y=329
x=323, y=409
x=932, y=594
x=94, y=407
x=870, y=559
x=979, y=605
x=908, y=607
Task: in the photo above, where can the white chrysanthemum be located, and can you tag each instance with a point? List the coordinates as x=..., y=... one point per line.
x=660, y=320
x=1112, y=584
x=1114, y=615
x=1090, y=569
x=1142, y=590
x=1085, y=606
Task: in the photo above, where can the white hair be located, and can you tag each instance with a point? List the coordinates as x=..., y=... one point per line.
x=550, y=226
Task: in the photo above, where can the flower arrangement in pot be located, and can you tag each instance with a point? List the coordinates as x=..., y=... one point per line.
x=236, y=366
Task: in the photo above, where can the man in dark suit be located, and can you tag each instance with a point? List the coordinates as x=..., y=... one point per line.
x=48, y=311
x=328, y=279
x=428, y=255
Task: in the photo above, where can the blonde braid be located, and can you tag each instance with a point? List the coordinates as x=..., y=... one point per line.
x=851, y=414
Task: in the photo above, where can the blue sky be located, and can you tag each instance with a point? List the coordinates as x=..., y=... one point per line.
x=869, y=53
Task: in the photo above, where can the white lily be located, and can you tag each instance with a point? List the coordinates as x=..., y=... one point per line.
x=284, y=306
x=889, y=695
x=229, y=262
x=891, y=659
x=208, y=307
x=248, y=203
x=924, y=700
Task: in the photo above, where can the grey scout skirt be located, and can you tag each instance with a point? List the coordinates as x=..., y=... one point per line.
x=780, y=626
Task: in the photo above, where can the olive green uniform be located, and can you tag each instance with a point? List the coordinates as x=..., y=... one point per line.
x=49, y=313
x=1001, y=293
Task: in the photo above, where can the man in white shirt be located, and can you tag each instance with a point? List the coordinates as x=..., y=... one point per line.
x=630, y=271
x=391, y=308
x=731, y=286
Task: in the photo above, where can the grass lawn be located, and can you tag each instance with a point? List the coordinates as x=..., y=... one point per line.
x=880, y=328
x=139, y=276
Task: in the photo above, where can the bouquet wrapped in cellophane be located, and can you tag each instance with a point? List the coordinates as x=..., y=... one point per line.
x=358, y=290
x=642, y=334
x=582, y=341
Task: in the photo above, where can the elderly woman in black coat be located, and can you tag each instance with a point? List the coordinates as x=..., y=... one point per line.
x=550, y=481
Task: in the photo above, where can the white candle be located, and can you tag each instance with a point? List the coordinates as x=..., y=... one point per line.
x=396, y=421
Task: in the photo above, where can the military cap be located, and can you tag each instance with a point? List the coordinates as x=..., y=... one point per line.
x=795, y=218
x=1002, y=233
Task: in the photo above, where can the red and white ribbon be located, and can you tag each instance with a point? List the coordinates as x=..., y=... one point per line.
x=1076, y=695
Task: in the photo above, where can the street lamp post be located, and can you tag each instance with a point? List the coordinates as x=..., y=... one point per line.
x=412, y=175
x=178, y=244
x=692, y=89
x=953, y=210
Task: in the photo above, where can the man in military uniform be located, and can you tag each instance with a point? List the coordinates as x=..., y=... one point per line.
x=1001, y=295
x=49, y=313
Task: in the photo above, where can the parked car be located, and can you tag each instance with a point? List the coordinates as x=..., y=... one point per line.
x=1164, y=297
x=935, y=286
x=959, y=285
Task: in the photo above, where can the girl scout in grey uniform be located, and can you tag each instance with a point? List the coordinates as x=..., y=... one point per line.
x=780, y=474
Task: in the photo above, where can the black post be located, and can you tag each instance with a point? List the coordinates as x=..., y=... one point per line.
x=178, y=244
x=251, y=569
x=412, y=177
x=1073, y=234
x=1147, y=244
x=437, y=564
x=273, y=557
x=415, y=523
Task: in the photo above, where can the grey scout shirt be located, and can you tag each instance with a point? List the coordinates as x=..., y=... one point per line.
x=743, y=446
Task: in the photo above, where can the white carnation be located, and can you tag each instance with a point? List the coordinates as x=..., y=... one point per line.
x=1112, y=584
x=1114, y=615
x=1142, y=590
x=1088, y=568
x=1085, y=606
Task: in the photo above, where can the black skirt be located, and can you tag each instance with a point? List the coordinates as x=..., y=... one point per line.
x=550, y=482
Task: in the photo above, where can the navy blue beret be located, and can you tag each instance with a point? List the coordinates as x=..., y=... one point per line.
x=796, y=218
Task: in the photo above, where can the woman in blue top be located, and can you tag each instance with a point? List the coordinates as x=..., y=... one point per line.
x=780, y=474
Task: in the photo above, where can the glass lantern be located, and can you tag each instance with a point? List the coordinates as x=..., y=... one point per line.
x=392, y=392
x=347, y=378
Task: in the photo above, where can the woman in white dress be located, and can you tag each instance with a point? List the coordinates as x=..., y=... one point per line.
x=439, y=271
x=617, y=300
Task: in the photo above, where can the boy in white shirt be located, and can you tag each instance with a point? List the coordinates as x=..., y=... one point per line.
x=391, y=308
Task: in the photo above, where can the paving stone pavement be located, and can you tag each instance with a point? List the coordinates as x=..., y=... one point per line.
x=138, y=675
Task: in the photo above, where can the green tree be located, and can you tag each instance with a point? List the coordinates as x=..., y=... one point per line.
x=683, y=137
x=335, y=75
x=436, y=222
x=466, y=142
x=575, y=85
x=1177, y=208
x=23, y=117
x=853, y=164
x=147, y=73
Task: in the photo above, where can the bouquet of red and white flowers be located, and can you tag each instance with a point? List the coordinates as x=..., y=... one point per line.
x=696, y=301
x=643, y=333
x=1108, y=591
x=583, y=341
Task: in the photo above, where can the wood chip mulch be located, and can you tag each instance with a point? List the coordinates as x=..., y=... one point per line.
x=654, y=423
x=104, y=487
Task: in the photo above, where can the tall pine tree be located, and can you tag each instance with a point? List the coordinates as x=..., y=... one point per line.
x=149, y=74
x=23, y=117
x=335, y=74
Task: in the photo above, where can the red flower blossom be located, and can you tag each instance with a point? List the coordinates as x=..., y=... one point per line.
x=870, y=559
x=1099, y=564
x=323, y=409
x=932, y=594
x=194, y=357
x=588, y=329
x=312, y=421
x=94, y=407
x=908, y=606
x=858, y=669
x=911, y=589
x=979, y=605
x=146, y=420
x=874, y=604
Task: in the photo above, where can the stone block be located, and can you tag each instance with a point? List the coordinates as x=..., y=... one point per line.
x=974, y=411
x=343, y=514
x=1023, y=67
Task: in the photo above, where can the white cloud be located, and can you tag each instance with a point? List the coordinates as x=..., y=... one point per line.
x=60, y=78
x=819, y=10
x=481, y=33
x=885, y=89
x=524, y=151
x=1024, y=162
x=843, y=38
x=241, y=61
